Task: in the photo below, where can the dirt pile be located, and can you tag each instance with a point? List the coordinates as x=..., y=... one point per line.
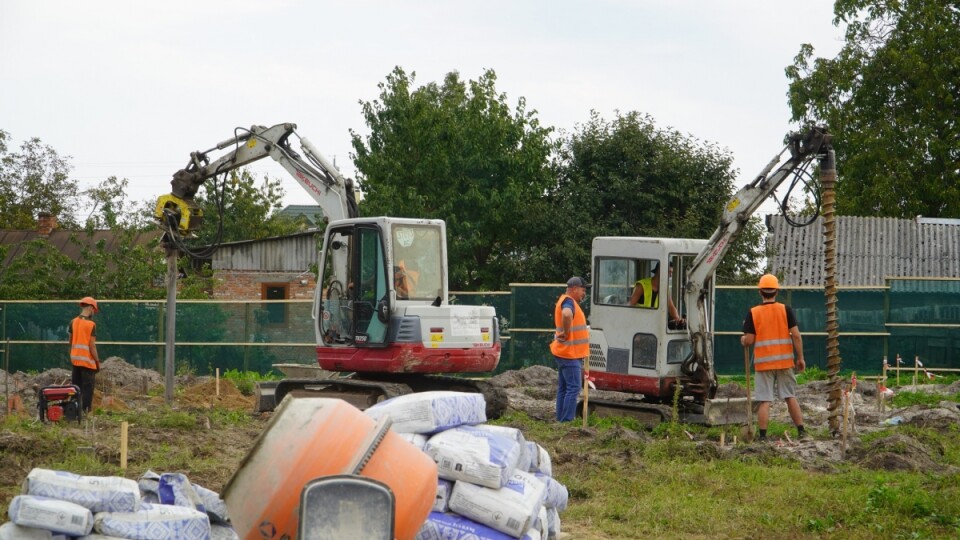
x=208, y=394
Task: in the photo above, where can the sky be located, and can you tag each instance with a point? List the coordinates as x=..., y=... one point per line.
x=129, y=88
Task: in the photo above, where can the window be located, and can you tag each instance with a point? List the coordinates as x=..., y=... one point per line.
x=276, y=313
x=418, y=267
x=645, y=351
x=617, y=278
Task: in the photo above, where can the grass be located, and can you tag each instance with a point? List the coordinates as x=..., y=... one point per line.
x=661, y=485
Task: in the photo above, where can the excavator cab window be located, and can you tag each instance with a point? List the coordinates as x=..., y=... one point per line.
x=417, y=262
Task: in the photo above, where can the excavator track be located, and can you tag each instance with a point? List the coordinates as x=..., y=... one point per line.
x=365, y=390
x=649, y=414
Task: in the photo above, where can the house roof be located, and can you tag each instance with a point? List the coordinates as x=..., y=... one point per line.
x=60, y=240
x=869, y=250
x=313, y=213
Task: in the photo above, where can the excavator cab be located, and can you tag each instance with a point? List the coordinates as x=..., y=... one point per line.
x=634, y=347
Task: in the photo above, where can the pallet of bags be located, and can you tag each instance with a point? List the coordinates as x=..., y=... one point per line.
x=493, y=483
x=59, y=504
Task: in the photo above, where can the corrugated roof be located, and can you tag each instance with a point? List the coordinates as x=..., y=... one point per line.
x=869, y=250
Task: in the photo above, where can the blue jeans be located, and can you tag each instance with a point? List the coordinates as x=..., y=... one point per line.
x=570, y=375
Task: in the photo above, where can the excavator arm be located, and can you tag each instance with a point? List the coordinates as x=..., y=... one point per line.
x=334, y=193
x=803, y=148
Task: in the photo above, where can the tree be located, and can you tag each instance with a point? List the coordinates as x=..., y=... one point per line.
x=457, y=151
x=627, y=177
x=33, y=180
x=248, y=212
x=892, y=99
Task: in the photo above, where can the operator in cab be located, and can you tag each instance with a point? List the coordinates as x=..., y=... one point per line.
x=646, y=294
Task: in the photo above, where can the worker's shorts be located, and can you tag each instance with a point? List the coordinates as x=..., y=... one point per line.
x=775, y=384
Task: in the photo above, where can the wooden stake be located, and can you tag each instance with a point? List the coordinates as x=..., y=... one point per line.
x=843, y=437
x=916, y=370
x=586, y=397
x=218, y=382
x=123, y=445
x=721, y=438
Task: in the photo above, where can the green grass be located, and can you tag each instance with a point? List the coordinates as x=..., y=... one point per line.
x=663, y=485
x=246, y=381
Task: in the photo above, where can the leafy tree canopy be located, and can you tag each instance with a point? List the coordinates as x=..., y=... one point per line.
x=32, y=180
x=249, y=211
x=892, y=99
x=627, y=177
x=459, y=152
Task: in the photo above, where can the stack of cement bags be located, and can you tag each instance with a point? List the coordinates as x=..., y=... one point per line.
x=59, y=505
x=493, y=483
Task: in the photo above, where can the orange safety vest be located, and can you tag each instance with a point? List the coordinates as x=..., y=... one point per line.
x=80, y=354
x=773, y=347
x=577, y=345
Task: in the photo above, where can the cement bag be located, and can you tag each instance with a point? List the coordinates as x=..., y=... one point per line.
x=50, y=514
x=524, y=462
x=215, y=506
x=556, y=494
x=541, y=524
x=539, y=459
x=155, y=522
x=430, y=412
x=474, y=455
x=417, y=439
x=223, y=532
x=12, y=531
x=442, y=502
x=440, y=526
x=95, y=536
x=176, y=489
x=149, y=483
x=553, y=524
x=96, y=493
x=512, y=509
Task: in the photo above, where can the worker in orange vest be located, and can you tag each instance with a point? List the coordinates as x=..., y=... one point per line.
x=83, y=351
x=570, y=347
x=772, y=329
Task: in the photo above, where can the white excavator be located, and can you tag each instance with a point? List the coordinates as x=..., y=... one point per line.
x=638, y=347
x=381, y=310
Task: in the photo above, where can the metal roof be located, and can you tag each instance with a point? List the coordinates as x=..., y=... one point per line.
x=869, y=250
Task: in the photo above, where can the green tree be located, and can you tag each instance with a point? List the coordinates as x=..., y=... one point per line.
x=459, y=152
x=627, y=177
x=892, y=99
x=32, y=180
x=244, y=210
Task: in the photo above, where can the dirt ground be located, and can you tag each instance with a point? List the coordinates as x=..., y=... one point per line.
x=123, y=387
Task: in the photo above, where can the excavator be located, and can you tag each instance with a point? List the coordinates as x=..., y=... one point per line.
x=381, y=312
x=641, y=347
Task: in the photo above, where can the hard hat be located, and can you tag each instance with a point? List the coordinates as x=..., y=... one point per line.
x=769, y=281
x=90, y=301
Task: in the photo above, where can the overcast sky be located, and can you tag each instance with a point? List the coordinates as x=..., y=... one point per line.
x=130, y=88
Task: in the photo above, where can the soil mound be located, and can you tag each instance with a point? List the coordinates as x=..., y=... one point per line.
x=204, y=396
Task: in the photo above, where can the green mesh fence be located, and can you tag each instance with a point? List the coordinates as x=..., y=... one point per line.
x=911, y=317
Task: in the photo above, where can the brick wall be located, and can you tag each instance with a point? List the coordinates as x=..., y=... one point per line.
x=248, y=284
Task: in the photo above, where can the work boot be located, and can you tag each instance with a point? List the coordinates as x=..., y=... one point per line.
x=762, y=439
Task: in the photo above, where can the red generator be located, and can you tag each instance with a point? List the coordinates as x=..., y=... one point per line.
x=59, y=402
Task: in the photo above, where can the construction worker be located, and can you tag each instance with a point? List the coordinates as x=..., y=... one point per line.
x=646, y=294
x=570, y=346
x=771, y=328
x=83, y=351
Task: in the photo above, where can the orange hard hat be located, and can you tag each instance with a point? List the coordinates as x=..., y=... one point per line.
x=90, y=301
x=769, y=281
